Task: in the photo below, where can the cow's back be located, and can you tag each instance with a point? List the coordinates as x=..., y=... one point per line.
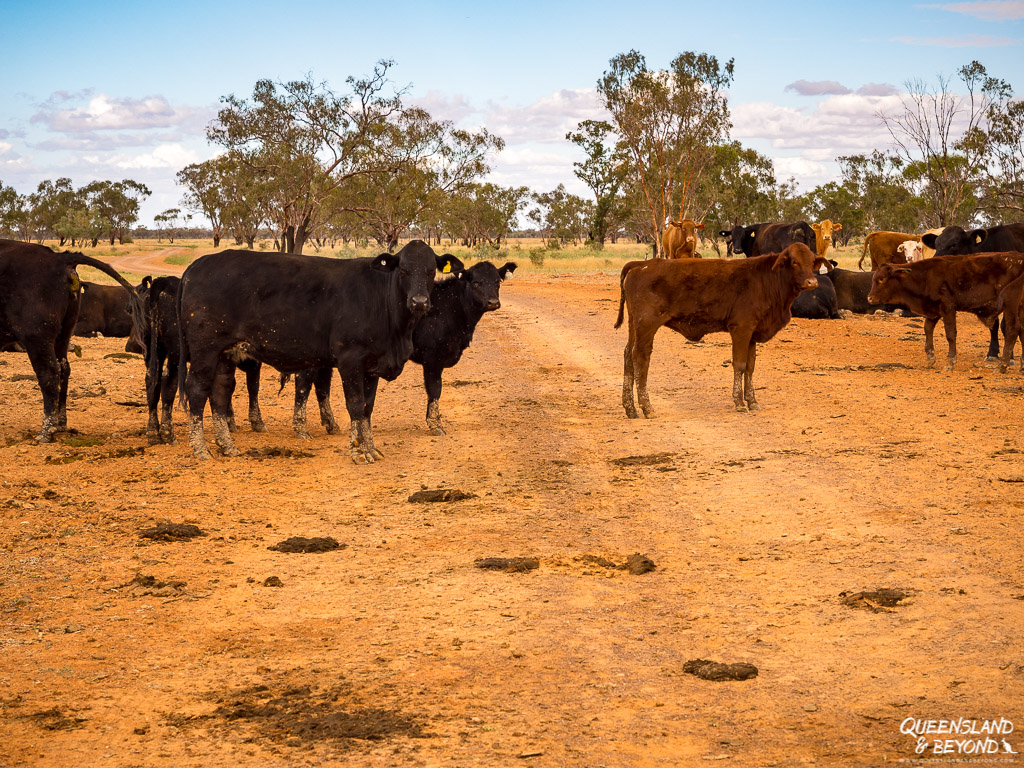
x=37, y=290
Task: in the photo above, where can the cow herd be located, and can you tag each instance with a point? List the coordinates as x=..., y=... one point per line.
x=308, y=316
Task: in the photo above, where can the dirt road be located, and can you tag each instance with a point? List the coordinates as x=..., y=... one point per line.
x=863, y=470
x=149, y=263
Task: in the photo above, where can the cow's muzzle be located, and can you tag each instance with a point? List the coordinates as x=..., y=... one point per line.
x=872, y=299
x=419, y=303
x=493, y=304
x=810, y=282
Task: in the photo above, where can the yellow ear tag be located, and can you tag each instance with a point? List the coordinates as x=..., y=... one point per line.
x=447, y=268
x=75, y=282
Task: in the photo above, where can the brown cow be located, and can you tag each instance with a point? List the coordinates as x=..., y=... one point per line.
x=750, y=299
x=823, y=235
x=883, y=247
x=679, y=241
x=982, y=284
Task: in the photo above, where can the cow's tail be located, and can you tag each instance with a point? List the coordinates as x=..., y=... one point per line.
x=182, y=346
x=284, y=380
x=867, y=241
x=138, y=311
x=622, y=290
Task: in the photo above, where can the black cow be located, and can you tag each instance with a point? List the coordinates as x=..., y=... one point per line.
x=775, y=238
x=39, y=300
x=103, y=311
x=163, y=356
x=852, y=289
x=818, y=303
x=955, y=241
x=296, y=313
x=440, y=338
x=740, y=239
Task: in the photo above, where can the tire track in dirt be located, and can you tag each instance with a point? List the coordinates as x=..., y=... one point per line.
x=150, y=262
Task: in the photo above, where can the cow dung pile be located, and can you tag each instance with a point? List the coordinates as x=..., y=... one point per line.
x=303, y=545
x=171, y=532
x=718, y=672
x=440, y=494
x=650, y=459
x=508, y=564
x=876, y=601
x=636, y=563
x=143, y=586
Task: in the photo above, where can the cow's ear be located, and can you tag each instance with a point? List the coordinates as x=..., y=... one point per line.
x=781, y=261
x=816, y=228
x=978, y=236
x=821, y=261
x=147, y=281
x=723, y=233
x=834, y=264
x=386, y=262
x=700, y=226
x=837, y=226
x=507, y=270
x=449, y=264
x=929, y=239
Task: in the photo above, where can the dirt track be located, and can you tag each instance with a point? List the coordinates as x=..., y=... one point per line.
x=396, y=650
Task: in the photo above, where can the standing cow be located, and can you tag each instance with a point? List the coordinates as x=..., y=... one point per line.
x=775, y=238
x=984, y=285
x=39, y=301
x=823, y=235
x=740, y=239
x=440, y=338
x=750, y=299
x=679, y=240
x=884, y=248
x=301, y=312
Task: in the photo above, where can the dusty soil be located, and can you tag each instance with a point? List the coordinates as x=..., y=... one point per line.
x=863, y=471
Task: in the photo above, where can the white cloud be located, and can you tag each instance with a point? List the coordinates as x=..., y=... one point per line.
x=988, y=10
x=173, y=156
x=546, y=120
x=817, y=87
x=442, y=107
x=540, y=170
x=105, y=113
x=971, y=41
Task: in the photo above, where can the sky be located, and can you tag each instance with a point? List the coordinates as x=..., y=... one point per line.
x=115, y=90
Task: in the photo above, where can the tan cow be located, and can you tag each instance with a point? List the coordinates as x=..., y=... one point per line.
x=884, y=247
x=679, y=241
x=823, y=235
x=927, y=252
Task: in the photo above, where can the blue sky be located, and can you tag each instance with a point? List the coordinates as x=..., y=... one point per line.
x=125, y=89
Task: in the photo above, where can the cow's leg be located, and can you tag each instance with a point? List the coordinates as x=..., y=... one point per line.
x=741, y=344
x=220, y=402
x=748, y=378
x=993, y=343
x=228, y=391
x=929, y=339
x=643, y=345
x=198, y=386
x=322, y=386
x=252, y=370
x=64, y=366
x=352, y=385
x=48, y=374
x=1011, y=330
x=628, y=379
x=432, y=383
x=303, y=383
x=370, y=396
x=154, y=368
x=949, y=324
x=168, y=391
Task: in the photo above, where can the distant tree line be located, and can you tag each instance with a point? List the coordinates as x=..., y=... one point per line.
x=301, y=164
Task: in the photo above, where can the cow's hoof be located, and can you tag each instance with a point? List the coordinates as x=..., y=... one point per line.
x=438, y=431
x=753, y=406
x=303, y=435
x=359, y=456
x=154, y=438
x=203, y=455
x=171, y=439
x=333, y=429
x=632, y=414
x=258, y=426
x=991, y=359
x=44, y=437
x=232, y=451
x=232, y=427
x=741, y=408
x=1002, y=368
x=649, y=413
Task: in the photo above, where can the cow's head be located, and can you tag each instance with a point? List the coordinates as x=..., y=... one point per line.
x=739, y=233
x=801, y=263
x=414, y=268
x=955, y=241
x=483, y=281
x=886, y=284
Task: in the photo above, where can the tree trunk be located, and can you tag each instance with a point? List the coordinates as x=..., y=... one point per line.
x=112, y=238
x=250, y=241
x=95, y=242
